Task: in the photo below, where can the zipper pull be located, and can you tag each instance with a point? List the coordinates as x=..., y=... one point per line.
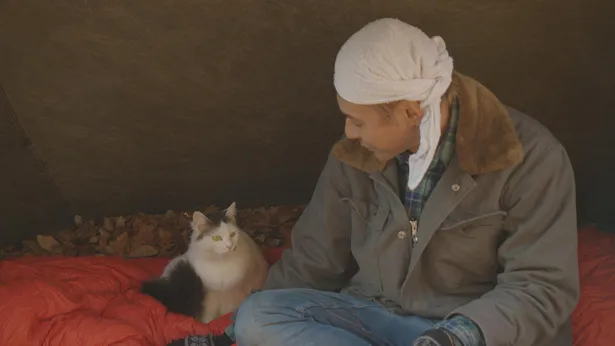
x=413, y=228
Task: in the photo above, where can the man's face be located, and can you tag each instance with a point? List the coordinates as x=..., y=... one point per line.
x=385, y=130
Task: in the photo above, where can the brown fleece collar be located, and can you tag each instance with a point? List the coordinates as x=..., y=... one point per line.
x=486, y=137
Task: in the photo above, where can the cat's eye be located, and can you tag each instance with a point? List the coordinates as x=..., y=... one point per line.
x=232, y=234
x=216, y=237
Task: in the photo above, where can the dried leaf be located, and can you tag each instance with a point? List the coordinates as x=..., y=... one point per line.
x=85, y=250
x=286, y=214
x=139, y=219
x=71, y=252
x=182, y=239
x=145, y=234
x=58, y=250
x=272, y=242
x=285, y=232
x=144, y=251
x=169, y=214
x=47, y=242
x=259, y=218
x=66, y=235
x=167, y=233
x=183, y=222
x=272, y=212
x=85, y=232
x=33, y=247
x=119, y=231
x=65, y=248
x=118, y=247
x=260, y=238
x=108, y=224
x=164, y=236
x=104, y=240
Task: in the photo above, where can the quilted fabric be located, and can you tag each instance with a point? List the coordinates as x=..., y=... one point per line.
x=96, y=301
x=594, y=317
x=88, y=301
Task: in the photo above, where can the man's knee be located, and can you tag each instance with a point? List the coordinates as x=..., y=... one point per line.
x=249, y=316
x=262, y=309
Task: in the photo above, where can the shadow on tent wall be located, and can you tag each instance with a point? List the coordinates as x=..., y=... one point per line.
x=141, y=106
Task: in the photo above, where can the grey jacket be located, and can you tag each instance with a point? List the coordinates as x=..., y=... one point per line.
x=496, y=242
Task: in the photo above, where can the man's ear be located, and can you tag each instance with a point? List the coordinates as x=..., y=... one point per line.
x=410, y=111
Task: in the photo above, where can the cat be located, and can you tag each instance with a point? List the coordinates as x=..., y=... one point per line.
x=221, y=267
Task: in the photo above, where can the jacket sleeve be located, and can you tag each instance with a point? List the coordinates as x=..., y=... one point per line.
x=320, y=256
x=538, y=287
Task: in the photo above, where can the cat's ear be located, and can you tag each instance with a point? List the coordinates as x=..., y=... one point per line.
x=231, y=213
x=199, y=221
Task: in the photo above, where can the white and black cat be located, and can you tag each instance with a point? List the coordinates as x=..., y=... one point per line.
x=220, y=268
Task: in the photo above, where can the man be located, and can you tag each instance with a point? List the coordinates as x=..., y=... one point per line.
x=443, y=217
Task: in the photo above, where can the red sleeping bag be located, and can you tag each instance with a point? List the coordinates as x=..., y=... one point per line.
x=593, y=320
x=96, y=300
x=90, y=301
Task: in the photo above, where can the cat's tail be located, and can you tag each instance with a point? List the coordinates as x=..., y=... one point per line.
x=181, y=292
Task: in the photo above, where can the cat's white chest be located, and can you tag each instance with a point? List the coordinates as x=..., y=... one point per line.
x=221, y=275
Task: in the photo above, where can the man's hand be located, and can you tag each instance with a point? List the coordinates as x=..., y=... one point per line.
x=437, y=337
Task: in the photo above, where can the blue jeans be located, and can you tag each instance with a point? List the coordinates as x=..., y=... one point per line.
x=309, y=317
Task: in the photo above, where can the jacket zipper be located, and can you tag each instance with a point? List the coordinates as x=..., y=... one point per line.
x=413, y=222
x=413, y=229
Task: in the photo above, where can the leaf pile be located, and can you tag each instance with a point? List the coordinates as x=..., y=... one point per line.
x=152, y=235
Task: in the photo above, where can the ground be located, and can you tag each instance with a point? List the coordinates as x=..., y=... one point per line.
x=150, y=235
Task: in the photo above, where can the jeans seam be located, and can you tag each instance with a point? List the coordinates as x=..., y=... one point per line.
x=348, y=305
x=302, y=310
x=381, y=340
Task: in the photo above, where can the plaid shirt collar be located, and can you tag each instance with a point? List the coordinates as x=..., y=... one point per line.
x=446, y=146
x=415, y=199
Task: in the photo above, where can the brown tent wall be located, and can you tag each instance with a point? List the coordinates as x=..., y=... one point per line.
x=111, y=107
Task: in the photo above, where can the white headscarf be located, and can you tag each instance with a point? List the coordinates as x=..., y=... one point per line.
x=389, y=60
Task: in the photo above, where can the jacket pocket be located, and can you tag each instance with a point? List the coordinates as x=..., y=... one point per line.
x=372, y=215
x=468, y=220
x=462, y=255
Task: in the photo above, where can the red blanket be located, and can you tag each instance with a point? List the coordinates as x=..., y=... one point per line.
x=96, y=301
x=593, y=320
x=88, y=301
